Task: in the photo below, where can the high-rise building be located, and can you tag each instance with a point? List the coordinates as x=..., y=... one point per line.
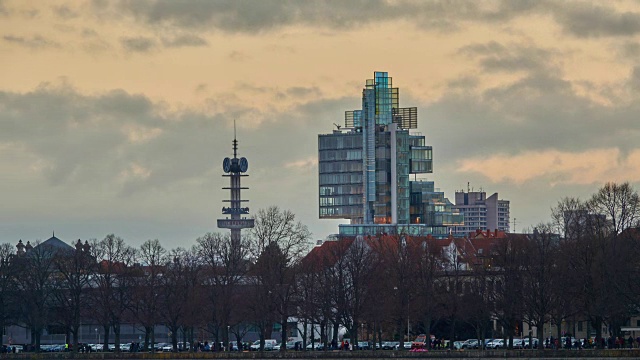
x=364, y=168
x=481, y=212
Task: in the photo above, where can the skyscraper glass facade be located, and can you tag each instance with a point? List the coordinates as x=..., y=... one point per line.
x=364, y=169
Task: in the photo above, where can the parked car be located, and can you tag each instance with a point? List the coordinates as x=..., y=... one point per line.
x=389, y=345
x=518, y=343
x=457, y=345
x=315, y=346
x=363, y=345
x=156, y=346
x=496, y=344
x=420, y=342
x=533, y=340
x=406, y=346
x=291, y=345
x=470, y=344
x=269, y=344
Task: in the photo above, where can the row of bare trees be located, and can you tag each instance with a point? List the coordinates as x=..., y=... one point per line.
x=215, y=286
x=582, y=265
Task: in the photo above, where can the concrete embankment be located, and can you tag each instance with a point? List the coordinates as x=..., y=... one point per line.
x=341, y=355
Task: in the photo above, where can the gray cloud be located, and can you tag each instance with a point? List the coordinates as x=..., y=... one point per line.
x=35, y=42
x=577, y=18
x=87, y=139
x=138, y=44
x=184, y=40
x=539, y=111
x=512, y=57
x=65, y=12
x=239, y=56
x=94, y=153
x=256, y=16
x=3, y=8
x=630, y=50
x=463, y=82
x=634, y=79
x=300, y=91
x=88, y=33
x=584, y=19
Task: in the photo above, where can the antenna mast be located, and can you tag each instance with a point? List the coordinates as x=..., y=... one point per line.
x=235, y=142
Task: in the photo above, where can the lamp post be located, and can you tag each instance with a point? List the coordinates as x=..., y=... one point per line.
x=408, y=323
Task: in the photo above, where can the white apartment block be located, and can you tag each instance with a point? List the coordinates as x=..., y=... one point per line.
x=481, y=212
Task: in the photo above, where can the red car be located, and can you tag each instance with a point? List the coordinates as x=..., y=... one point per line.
x=420, y=342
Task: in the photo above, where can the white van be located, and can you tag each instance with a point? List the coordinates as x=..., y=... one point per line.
x=269, y=344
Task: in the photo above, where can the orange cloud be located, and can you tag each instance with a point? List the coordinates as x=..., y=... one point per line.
x=304, y=164
x=580, y=168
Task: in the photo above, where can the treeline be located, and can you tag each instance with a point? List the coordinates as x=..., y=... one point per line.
x=582, y=265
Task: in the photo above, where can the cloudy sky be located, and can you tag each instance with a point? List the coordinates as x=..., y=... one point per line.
x=115, y=115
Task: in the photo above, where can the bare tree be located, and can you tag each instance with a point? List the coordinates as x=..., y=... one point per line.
x=226, y=266
x=476, y=305
x=36, y=286
x=113, y=284
x=148, y=284
x=353, y=276
x=284, y=241
x=620, y=204
x=508, y=290
x=428, y=263
x=8, y=298
x=75, y=269
x=540, y=274
x=396, y=255
x=454, y=276
x=178, y=291
x=570, y=218
x=314, y=295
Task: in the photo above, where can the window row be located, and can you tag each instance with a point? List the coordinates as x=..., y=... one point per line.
x=347, y=178
x=340, y=166
x=341, y=200
x=333, y=155
x=421, y=166
x=332, y=142
x=340, y=190
x=341, y=211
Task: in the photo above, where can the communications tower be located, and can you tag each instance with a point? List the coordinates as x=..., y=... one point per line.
x=235, y=169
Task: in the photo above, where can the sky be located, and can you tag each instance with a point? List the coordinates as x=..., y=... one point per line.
x=115, y=116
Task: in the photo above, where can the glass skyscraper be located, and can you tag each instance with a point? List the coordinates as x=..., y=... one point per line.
x=364, y=170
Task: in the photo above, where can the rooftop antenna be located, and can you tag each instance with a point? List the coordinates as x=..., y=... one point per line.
x=467, y=186
x=235, y=142
x=514, y=225
x=337, y=126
